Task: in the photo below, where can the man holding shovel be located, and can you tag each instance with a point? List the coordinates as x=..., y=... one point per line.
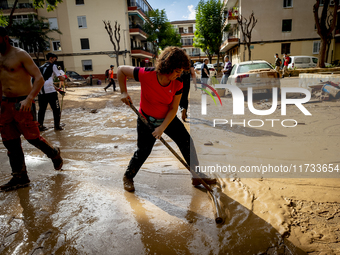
x=161, y=91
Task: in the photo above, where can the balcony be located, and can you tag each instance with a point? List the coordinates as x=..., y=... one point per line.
x=229, y=43
x=141, y=52
x=25, y=8
x=135, y=8
x=189, y=31
x=137, y=31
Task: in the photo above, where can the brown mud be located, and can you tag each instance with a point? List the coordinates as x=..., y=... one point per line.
x=84, y=209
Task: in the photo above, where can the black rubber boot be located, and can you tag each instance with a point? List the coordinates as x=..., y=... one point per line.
x=57, y=160
x=17, y=181
x=128, y=184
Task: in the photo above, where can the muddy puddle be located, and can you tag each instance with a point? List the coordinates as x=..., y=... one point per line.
x=84, y=209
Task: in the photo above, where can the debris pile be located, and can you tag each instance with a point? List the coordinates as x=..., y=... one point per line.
x=325, y=91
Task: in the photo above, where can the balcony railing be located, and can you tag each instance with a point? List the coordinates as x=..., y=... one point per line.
x=9, y=5
x=142, y=48
x=136, y=26
x=133, y=3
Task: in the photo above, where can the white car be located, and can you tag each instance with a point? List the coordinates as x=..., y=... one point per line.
x=304, y=62
x=211, y=68
x=259, y=75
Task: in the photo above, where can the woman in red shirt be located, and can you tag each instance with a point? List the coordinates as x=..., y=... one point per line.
x=161, y=91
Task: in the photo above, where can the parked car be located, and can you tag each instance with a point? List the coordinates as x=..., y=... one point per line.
x=302, y=62
x=211, y=70
x=197, y=63
x=259, y=75
x=221, y=64
x=74, y=75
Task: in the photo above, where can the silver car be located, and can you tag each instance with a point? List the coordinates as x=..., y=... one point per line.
x=259, y=75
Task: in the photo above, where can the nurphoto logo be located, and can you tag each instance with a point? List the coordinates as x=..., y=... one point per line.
x=238, y=104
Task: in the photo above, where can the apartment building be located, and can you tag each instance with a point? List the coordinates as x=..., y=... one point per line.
x=84, y=45
x=186, y=28
x=283, y=26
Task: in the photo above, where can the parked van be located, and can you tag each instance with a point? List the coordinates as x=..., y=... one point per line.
x=302, y=62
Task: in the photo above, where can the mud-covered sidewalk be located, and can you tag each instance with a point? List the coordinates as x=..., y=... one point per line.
x=84, y=209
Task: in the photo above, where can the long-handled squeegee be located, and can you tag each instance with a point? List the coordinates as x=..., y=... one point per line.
x=219, y=211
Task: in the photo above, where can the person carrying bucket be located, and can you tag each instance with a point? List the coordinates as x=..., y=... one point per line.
x=161, y=90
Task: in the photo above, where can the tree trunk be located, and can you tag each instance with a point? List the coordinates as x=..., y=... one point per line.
x=322, y=54
x=11, y=15
x=249, y=52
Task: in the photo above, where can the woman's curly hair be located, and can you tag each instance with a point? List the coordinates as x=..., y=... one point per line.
x=172, y=58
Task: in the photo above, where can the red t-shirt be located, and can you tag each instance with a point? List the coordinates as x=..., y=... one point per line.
x=286, y=61
x=155, y=98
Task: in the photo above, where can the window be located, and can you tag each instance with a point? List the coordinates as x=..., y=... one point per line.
x=53, y=23
x=87, y=65
x=287, y=3
x=82, y=22
x=79, y=2
x=285, y=48
x=315, y=60
x=316, y=47
x=287, y=25
x=85, y=44
x=56, y=46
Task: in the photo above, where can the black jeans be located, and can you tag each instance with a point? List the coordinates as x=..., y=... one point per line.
x=145, y=141
x=44, y=100
x=112, y=82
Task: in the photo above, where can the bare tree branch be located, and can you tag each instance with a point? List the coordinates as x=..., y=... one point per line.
x=116, y=35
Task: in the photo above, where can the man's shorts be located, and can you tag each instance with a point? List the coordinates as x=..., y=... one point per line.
x=14, y=123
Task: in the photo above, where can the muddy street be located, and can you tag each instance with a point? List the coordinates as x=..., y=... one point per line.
x=84, y=209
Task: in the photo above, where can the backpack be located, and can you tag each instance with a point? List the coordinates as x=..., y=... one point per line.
x=46, y=70
x=107, y=73
x=289, y=60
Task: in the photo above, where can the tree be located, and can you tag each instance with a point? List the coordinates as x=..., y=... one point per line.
x=246, y=29
x=324, y=26
x=160, y=31
x=116, y=34
x=210, y=27
x=51, y=5
x=200, y=42
x=33, y=34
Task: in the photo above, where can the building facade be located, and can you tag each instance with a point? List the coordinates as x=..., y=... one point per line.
x=84, y=45
x=186, y=28
x=284, y=26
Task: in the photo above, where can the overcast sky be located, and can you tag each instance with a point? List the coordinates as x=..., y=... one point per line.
x=176, y=10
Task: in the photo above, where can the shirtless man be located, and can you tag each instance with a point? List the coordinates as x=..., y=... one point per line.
x=18, y=115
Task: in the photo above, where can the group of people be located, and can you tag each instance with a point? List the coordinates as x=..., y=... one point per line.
x=161, y=92
x=284, y=65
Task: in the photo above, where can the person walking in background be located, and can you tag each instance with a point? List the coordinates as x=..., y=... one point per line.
x=205, y=73
x=285, y=70
x=183, y=104
x=226, y=70
x=161, y=90
x=112, y=81
x=61, y=83
x=48, y=93
x=277, y=63
x=18, y=113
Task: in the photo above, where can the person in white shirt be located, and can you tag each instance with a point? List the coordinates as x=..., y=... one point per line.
x=48, y=93
x=61, y=83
